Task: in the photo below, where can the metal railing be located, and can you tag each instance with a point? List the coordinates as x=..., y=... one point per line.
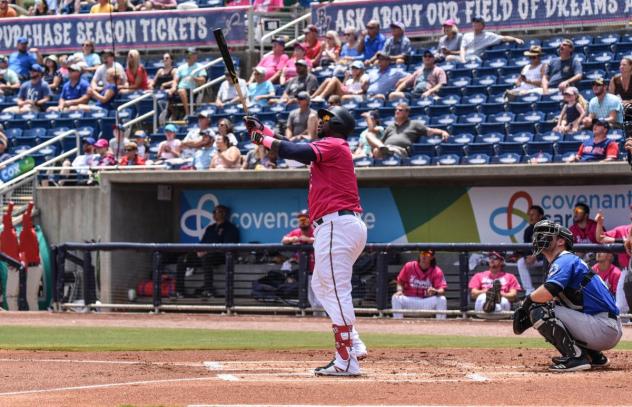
x=293, y=23
x=231, y=253
x=142, y=117
x=30, y=176
x=200, y=88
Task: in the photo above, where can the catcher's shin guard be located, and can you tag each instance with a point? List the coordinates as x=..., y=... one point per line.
x=342, y=335
x=554, y=331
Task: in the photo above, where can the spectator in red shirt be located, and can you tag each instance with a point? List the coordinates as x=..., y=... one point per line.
x=131, y=156
x=584, y=229
x=313, y=47
x=608, y=272
x=136, y=74
x=494, y=290
x=421, y=285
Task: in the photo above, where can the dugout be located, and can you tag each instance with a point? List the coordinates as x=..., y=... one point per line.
x=146, y=207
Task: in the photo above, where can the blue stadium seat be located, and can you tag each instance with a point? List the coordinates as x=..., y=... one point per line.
x=472, y=90
x=425, y=119
x=363, y=162
x=608, y=39
x=500, y=88
x=450, y=100
x=422, y=102
x=564, y=158
x=545, y=126
x=532, y=41
x=503, y=117
x=462, y=138
x=486, y=128
x=509, y=70
x=506, y=158
x=491, y=54
x=394, y=103
x=13, y=133
x=391, y=161
x=623, y=49
x=535, y=147
x=539, y=158
x=597, y=73
x=520, y=61
x=485, y=71
x=549, y=136
x=445, y=119
x=475, y=99
x=492, y=108
x=528, y=98
x=533, y=117
x=461, y=81
x=498, y=62
x=481, y=148
x=426, y=149
x=553, y=42
x=615, y=134
x=35, y=133
x=463, y=128
x=486, y=80
x=601, y=57
x=564, y=147
x=463, y=109
x=451, y=149
x=520, y=107
x=519, y=137
x=475, y=159
x=548, y=106
x=447, y=159
x=510, y=147
x=419, y=160
x=472, y=118
x=582, y=40
x=455, y=91
x=490, y=138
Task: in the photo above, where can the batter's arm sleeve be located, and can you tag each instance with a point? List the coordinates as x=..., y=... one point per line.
x=302, y=152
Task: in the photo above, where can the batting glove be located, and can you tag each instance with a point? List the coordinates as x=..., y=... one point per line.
x=253, y=124
x=256, y=137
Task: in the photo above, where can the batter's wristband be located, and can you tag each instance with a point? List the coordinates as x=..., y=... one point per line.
x=267, y=141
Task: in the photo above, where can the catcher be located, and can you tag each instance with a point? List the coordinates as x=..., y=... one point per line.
x=573, y=310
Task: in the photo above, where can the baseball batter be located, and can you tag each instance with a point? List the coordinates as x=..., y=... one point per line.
x=339, y=233
x=573, y=310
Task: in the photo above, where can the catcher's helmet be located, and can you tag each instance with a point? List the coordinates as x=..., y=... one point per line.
x=545, y=231
x=335, y=122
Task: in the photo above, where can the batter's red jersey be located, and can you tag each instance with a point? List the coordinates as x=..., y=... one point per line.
x=333, y=185
x=416, y=281
x=485, y=279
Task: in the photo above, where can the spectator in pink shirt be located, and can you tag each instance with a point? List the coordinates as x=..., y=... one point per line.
x=608, y=272
x=584, y=229
x=159, y=5
x=289, y=69
x=421, y=285
x=618, y=234
x=267, y=6
x=494, y=290
x=274, y=63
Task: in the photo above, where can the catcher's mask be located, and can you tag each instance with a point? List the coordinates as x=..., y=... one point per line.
x=545, y=232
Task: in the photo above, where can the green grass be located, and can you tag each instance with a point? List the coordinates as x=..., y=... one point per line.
x=131, y=339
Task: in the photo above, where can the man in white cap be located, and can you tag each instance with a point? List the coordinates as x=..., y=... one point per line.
x=398, y=46
x=261, y=90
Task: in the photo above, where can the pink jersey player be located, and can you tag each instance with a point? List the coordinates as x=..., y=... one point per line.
x=494, y=290
x=339, y=233
x=420, y=285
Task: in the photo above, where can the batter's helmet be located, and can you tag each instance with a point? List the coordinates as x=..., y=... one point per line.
x=335, y=122
x=545, y=231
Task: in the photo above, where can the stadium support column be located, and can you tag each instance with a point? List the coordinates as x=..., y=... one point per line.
x=156, y=267
x=382, y=282
x=89, y=280
x=464, y=269
x=302, y=281
x=230, y=282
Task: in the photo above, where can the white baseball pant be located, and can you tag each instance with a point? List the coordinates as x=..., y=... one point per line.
x=33, y=278
x=338, y=242
x=504, y=305
x=620, y=299
x=12, y=290
x=438, y=303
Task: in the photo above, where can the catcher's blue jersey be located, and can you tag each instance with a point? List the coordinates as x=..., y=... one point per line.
x=568, y=271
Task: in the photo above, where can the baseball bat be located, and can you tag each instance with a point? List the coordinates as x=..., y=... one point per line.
x=228, y=61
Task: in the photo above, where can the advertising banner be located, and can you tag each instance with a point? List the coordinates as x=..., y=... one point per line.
x=141, y=30
x=425, y=17
x=424, y=214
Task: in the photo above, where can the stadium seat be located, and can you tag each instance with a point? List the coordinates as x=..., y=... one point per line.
x=463, y=109
x=535, y=147
x=602, y=57
x=615, y=134
x=539, y=158
x=363, y=162
x=445, y=119
x=623, y=49
x=491, y=54
x=426, y=149
x=553, y=42
x=486, y=128
x=439, y=110
x=510, y=147
x=548, y=106
x=534, y=117
x=461, y=81
x=449, y=100
x=519, y=137
x=392, y=161
x=475, y=99
x=610, y=38
x=492, y=108
x=463, y=128
x=480, y=148
x=491, y=138
x=447, y=159
x=520, y=107
x=13, y=133
x=597, y=73
x=545, y=126
x=495, y=62
x=500, y=88
x=35, y=133
x=423, y=102
x=461, y=138
x=486, y=80
x=580, y=136
x=564, y=158
x=564, y=147
x=504, y=117
x=475, y=159
x=506, y=158
x=549, y=136
x=582, y=40
x=425, y=119
x=451, y=149
x=419, y=160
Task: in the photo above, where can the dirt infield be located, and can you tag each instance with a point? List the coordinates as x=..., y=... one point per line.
x=391, y=377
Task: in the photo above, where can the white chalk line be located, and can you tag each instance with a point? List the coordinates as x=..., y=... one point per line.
x=106, y=385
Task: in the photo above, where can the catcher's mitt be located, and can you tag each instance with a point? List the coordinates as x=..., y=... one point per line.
x=521, y=319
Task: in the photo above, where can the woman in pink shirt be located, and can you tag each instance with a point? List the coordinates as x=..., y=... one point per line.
x=274, y=63
x=289, y=70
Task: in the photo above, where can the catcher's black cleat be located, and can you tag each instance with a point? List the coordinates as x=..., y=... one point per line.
x=492, y=297
x=597, y=359
x=571, y=365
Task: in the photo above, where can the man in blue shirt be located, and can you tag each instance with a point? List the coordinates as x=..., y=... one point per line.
x=604, y=106
x=384, y=80
x=573, y=310
x=33, y=94
x=22, y=60
x=75, y=91
x=372, y=41
x=398, y=46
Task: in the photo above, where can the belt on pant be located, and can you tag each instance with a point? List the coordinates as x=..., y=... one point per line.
x=343, y=212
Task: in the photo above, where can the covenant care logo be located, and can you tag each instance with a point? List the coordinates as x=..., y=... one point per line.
x=516, y=209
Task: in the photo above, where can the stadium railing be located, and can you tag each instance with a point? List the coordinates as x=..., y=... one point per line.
x=80, y=255
x=132, y=103
x=292, y=24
